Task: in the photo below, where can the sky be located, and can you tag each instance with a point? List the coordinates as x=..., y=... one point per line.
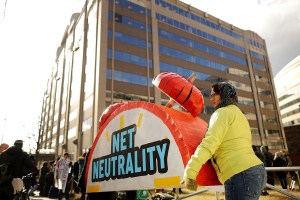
x=31, y=31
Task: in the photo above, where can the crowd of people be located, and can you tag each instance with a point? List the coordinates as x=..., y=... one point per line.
x=55, y=179
x=279, y=159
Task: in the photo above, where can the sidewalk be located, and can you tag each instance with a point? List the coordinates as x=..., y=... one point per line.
x=37, y=197
x=208, y=195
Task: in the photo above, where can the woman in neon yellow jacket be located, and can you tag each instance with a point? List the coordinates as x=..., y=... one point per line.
x=228, y=144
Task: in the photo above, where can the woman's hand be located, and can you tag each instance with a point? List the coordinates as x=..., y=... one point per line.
x=189, y=184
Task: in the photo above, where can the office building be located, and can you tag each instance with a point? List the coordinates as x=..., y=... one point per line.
x=287, y=84
x=112, y=50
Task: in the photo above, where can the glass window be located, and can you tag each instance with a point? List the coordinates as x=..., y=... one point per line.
x=202, y=61
x=185, y=41
x=130, y=58
x=72, y=132
x=127, y=77
x=87, y=124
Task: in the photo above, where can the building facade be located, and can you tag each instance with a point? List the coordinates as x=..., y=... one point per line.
x=112, y=50
x=287, y=84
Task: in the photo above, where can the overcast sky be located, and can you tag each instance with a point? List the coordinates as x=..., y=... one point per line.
x=32, y=30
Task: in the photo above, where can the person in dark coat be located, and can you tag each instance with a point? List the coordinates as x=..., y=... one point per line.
x=78, y=167
x=49, y=179
x=259, y=154
x=279, y=161
x=42, y=180
x=81, y=177
x=262, y=157
x=93, y=196
x=21, y=164
x=269, y=163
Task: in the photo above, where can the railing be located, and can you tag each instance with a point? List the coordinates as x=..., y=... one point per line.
x=294, y=169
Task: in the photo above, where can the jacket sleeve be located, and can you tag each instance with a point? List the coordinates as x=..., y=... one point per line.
x=218, y=126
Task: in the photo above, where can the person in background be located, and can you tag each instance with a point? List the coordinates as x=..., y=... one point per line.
x=81, y=177
x=291, y=175
x=78, y=167
x=279, y=161
x=228, y=143
x=269, y=163
x=99, y=195
x=70, y=183
x=261, y=156
x=49, y=179
x=21, y=164
x=61, y=175
x=42, y=179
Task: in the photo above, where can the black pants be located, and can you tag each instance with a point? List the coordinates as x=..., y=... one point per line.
x=6, y=191
x=65, y=194
x=270, y=178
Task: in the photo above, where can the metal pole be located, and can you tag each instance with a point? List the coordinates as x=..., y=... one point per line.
x=294, y=168
x=282, y=191
x=192, y=194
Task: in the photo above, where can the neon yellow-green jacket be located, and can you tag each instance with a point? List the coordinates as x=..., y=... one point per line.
x=227, y=143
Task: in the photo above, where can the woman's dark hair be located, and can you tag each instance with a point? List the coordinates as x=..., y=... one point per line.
x=216, y=88
x=227, y=92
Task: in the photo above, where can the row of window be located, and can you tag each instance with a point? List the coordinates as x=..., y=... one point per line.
x=127, y=77
x=142, y=44
x=259, y=67
x=122, y=37
x=129, y=22
x=197, y=18
x=256, y=55
x=264, y=92
x=198, y=60
x=262, y=79
x=291, y=103
x=190, y=43
x=291, y=92
x=129, y=58
x=256, y=44
x=293, y=112
x=200, y=76
x=199, y=32
x=132, y=6
x=291, y=123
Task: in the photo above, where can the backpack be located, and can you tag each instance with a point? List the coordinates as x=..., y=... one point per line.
x=6, y=169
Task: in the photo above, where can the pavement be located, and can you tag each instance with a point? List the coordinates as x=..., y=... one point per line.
x=209, y=194
x=37, y=197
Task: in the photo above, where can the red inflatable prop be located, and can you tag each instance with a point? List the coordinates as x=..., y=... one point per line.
x=141, y=145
